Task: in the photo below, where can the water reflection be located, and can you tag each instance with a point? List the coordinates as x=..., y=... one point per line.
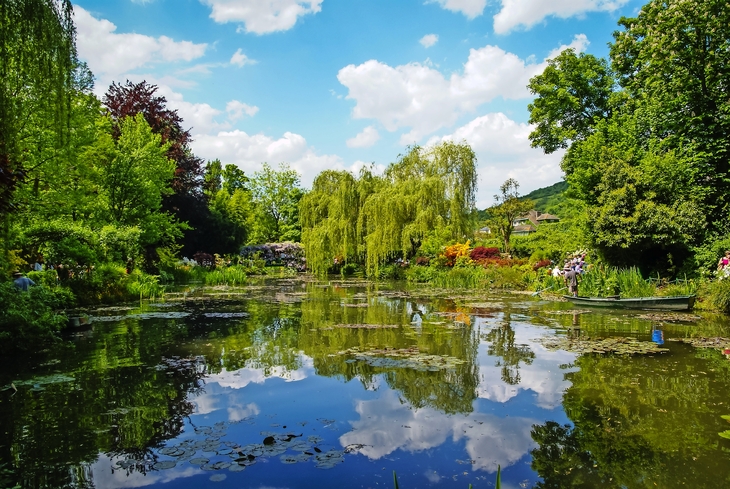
x=387, y=424
x=441, y=380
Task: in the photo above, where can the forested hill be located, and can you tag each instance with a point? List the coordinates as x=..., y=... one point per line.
x=549, y=199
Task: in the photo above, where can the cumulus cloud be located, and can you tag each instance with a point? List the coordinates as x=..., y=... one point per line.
x=110, y=54
x=237, y=110
x=262, y=17
x=364, y=139
x=527, y=13
x=248, y=151
x=470, y=8
x=418, y=96
x=429, y=40
x=240, y=59
x=503, y=150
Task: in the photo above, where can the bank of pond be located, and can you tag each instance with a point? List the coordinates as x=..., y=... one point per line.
x=292, y=381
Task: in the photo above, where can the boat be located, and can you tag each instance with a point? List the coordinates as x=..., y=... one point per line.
x=676, y=303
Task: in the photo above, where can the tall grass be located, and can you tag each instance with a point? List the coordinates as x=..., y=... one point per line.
x=235, y=275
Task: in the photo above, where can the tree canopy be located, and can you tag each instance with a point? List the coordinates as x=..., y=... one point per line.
x=646, y=132
x=424, y=191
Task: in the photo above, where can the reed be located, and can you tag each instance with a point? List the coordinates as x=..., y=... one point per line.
x=235, y=275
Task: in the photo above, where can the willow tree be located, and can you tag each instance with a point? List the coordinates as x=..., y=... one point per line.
x=426, y=189
x=331, y=218
x=37, y=61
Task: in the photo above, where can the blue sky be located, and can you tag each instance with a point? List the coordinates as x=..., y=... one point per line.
x=339, y=84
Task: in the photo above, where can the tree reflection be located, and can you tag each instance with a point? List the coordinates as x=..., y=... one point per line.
x=502, y=344
x=639, y=422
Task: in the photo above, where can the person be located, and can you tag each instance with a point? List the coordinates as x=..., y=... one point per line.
x=571, y=279
x=724, y=261
x=556, y=271
x=21, y=282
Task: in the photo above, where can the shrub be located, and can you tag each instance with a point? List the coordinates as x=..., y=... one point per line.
x=717, y=295
x=423, y=261
x=542, y=264
x=27, y=319
x=454, y=252
x=205, y=260
x=482, y=253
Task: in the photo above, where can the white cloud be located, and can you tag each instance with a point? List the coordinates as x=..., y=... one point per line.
x=236, y=110
x=470, y=8
x=248, y=151
x=364, y=139
x=110, y=54
x=420, y=97
x=527, y=13
x=503, y=151
x=429, y=40
x=262, y=16
x=241, y=59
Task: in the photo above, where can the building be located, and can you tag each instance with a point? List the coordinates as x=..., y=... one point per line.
x=529, y=222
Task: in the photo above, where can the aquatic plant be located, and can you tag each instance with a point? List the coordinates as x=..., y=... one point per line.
x=235, y=275
x=726, y=433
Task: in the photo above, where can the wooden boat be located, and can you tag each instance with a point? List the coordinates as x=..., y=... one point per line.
x=676, y=303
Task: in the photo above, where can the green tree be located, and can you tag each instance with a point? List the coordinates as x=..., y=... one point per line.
x=508, y=207
x=276, y=196
x=423, y=191
x=330, y=214
x=135, y=175
x=572, y=96
x=37, y=59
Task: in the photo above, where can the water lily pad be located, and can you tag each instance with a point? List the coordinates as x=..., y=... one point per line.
x=171, y=451
x=199, y=461
x=218, y=477
x=236, y=468
x=614, y=344
x=226, y=315
x=288, y=459
x=164, y=464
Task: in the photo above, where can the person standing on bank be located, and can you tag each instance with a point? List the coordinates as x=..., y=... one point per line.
x=21, y=282
x=571, y=280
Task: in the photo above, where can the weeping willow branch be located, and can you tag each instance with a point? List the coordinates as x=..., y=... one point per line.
x=372, y=219
x=37, y=60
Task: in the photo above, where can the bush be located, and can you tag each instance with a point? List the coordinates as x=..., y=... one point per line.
x=542, y=264
x=28, y=319
x=454, y=252
x=717, y=295
x=482, y=253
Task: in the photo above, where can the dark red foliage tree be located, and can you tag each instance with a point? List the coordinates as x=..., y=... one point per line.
x=131, y=99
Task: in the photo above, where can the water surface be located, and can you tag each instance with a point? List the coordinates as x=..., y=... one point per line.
x=296, y=383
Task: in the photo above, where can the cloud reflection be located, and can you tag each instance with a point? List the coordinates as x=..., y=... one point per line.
x=387, y=424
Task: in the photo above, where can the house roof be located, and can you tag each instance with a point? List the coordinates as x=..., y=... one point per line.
x=548, y=217
x=523, y=229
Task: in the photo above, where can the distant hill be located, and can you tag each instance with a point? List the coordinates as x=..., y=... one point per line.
x=551, y=200
x=542, y=195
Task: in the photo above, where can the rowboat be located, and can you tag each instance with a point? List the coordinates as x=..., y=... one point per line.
x=676, y=303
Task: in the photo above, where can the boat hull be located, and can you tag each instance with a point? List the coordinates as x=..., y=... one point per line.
x=678, y=303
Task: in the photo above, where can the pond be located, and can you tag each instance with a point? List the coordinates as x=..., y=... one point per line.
x=294, y=383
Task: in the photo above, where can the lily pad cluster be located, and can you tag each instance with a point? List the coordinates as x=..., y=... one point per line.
x=226, y=315
x=402, y=358
x=213, y=454
x=146, y=315
x=366, y=326
x=669, y=317
x=703, y=342
x=616, y=344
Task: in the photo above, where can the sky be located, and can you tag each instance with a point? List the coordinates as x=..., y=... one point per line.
x=342, y=84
